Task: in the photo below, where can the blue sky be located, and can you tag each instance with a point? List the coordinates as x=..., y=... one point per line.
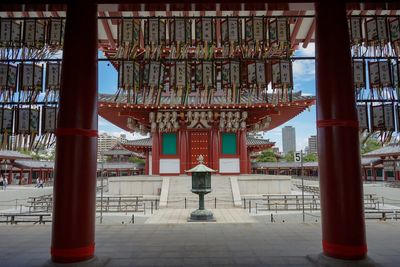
x=304, y=80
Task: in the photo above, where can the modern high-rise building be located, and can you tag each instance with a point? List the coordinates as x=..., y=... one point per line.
x=312, y=145
x=288, y=139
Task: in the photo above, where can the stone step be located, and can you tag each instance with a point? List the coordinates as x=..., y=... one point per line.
x=179, y=189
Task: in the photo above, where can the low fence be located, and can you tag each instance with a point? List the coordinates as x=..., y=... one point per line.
x=277, y=203
x=192, y=203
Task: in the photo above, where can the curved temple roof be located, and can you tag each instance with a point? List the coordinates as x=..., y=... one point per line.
x=118, y=112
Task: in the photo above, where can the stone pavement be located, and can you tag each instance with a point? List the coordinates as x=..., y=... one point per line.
x=173, y=216
x=198, y=244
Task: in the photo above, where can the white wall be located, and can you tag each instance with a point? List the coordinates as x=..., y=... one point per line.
x=169, y=166
x=229, y=165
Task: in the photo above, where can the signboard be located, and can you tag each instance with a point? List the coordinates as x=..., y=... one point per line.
x=297, y=156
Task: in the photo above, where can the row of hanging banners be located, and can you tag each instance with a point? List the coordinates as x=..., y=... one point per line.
x=377, y=79
x=31, y=38
x=254, y=36
x=383, y=119
x=375, y=36
x=26, y=81
x=147, y=82
x=203, y=37
x=184, y=37
x=27, y=127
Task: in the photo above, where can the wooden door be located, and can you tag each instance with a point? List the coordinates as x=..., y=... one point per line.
x=199, y=145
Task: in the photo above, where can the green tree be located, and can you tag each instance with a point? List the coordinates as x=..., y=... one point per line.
x=289, y=157
x=136, y=160
x=267, y=155
x=369, y=145
x=310, y=158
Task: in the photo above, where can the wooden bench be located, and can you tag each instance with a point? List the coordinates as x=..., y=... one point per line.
x=14, y=218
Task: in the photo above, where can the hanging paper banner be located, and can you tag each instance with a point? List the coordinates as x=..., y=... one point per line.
x=359, y=74
x=208, y=74
x=53, y=76
x=180, y=30
x=34, y=33
x=251, y=72
x=394, y=29
x=389, y=117
x=126, y=31
x=23, y=121
x=281, y=74
x=379, y=74
x=377, y=118
x=225, y=74
x=31, y=77
x=155, y=31
x=362, y=112
x=395, y=71
x=235, y=73
x=355, y=31
x=260, y=72
x=6, y=120
x=155, y=73
x=205, y=30
x=34, y=121
x=254, y=29
x=8, y=77
x=231, y=30
x=56, y=32
x=381, y=25
x=10, y=33
x=180, y=74
x=372, y=31
x=126, y=75
x=49, y=119
x=279, y=31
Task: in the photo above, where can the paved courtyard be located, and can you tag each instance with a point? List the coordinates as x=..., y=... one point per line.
x=198, y=244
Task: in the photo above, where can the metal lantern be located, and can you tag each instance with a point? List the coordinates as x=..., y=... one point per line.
x=201, y=185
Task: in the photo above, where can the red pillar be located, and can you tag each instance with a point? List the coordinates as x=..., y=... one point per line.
x=183, y=145
x=343, y=228
x=215, y=149
x=243, y=153
x=75, y=167
x=146, y=164
x=155, y=154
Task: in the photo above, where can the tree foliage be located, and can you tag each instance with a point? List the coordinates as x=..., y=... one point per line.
x=267, y=155
x=289, y=157
x=310, y=158
x=136, y=160
x=369, y=145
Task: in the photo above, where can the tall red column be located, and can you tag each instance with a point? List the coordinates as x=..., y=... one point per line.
x=75, y=167
x=243, y=152
x=215, y=149
x=183, y=147
x=155, y=154
x=343, y=228
x=147, y=163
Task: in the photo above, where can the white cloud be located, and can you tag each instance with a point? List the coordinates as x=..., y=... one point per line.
x=306, y=52
x=304, y=70
x=129, y=136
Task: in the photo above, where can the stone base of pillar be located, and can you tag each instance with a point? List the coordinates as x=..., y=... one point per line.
x=93, y=262
x=322, y=260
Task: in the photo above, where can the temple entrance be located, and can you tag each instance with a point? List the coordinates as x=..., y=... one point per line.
x=199, y=145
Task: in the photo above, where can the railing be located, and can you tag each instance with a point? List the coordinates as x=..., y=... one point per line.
x=105, y=204
x=189, y=203
x=277, y=203
x=14, y=218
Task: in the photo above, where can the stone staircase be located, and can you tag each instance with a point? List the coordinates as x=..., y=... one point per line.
x=180, y=186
